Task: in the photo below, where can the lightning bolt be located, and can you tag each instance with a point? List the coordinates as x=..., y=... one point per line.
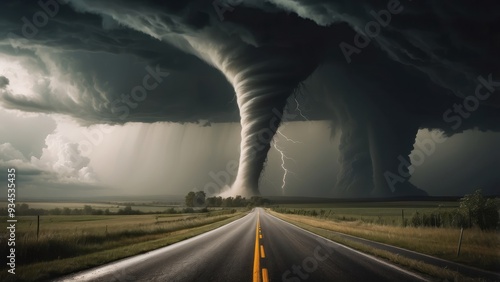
x=288, y=139
x=281, y=151
x=299, y=110
x=283, y=157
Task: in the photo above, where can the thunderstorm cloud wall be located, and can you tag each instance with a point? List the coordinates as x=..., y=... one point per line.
x=379, y=71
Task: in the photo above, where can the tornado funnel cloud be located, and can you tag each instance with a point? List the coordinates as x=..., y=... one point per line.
x=262, y=82
x=260, y=119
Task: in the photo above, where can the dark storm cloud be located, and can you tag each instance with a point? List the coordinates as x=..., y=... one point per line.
x=78, y=39
x=412, y=35
x=413, y=72
x=3, y=82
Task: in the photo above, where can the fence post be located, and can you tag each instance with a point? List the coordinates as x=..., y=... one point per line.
x=37, y=226
x=403, y=217
x=460, y=241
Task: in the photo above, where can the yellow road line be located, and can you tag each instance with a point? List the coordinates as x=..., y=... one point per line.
x=256, y=257
x=260, y=236
x=265, y=276
x=262, y=254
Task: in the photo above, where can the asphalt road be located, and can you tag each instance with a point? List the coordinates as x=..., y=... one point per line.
x=257, y=247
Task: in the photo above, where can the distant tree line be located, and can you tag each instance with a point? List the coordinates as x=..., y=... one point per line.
x=199, y=199
x=24, y=209
x=474, y=210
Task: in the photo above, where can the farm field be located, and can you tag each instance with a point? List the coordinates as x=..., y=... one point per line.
x=111, y=206
x=383, y=222
x=54, y=225
x=68, y=243
x=387, y=213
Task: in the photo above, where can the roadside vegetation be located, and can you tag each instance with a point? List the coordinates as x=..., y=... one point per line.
x=433, y=231
x=199, y=199
x=99, y=209
x=89, y=237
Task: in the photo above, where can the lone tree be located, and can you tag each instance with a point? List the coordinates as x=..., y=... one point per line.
x=481, y=211
x=195, y=199
x=199, y=199
x=190, y=199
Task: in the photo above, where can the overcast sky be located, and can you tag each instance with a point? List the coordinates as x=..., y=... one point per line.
x=107, y=98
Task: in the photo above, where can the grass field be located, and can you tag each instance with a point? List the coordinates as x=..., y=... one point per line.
x=382, y=222
x=385, y=213
x=68, y=243
x=56, y=225
x=146, y=207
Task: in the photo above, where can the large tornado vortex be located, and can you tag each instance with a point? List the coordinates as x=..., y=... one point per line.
x=263, y=79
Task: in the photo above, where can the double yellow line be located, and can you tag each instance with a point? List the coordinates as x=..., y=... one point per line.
x=258, y=254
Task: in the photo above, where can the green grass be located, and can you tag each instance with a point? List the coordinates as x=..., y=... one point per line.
x=385, y=213
x=71, y=243
x=111, y=206
x=96, y=223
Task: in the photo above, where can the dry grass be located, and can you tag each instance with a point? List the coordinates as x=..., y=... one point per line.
x=51, y=225
x=71, y=243
x=479, y=248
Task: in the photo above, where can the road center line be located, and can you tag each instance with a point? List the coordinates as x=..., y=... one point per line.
x=265, y=276
x=256, y=257
x=262, y=253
